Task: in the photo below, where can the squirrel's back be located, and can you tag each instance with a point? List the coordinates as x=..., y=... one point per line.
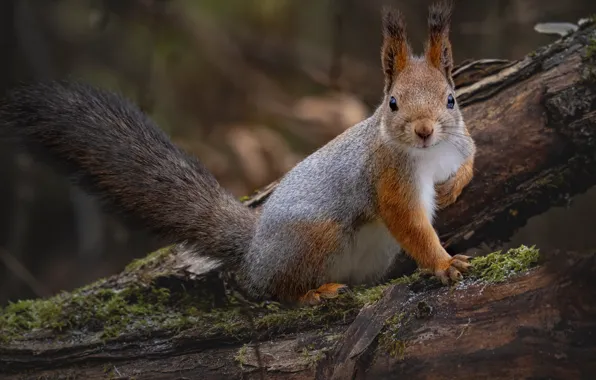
x=327, y=199
x=109, y=147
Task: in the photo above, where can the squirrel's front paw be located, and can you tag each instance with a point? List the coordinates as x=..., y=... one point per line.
x=447, y=194
x=453, y=269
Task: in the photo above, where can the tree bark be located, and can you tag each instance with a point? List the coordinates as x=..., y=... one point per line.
x=534, y=122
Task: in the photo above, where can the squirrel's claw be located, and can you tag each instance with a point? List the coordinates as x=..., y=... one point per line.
x=457, y=265
x=460, y=262
x=454, y=274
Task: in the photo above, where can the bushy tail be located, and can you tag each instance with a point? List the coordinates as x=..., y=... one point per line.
x=110, y=148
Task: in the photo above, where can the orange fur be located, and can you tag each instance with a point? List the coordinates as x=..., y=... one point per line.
x=323, y=240
x=435, y=50
x=397, y=54
x=407, y=221
x=325, y=291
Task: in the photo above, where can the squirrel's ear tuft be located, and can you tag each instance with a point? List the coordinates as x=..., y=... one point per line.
x=438, y=48
x=396, y=50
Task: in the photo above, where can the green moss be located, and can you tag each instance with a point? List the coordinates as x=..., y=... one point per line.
x=406, y=279
x=368, y=295
x=498, y=266
x=150, y=260
x=389, y=339
x=31, y=315
x=590, y=60
x=591, y=49
x=89, y=309
x=341, y=308
x=244, y=198
x=240, y=357
x=312, y=356
x=142, y=307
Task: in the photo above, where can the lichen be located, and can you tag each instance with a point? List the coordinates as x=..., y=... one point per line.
x=497, y=266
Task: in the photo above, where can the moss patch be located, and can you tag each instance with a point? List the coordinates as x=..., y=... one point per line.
x=591, y=49
x=241, y=356
x=368, y=295
x=497, y=266
x=312, y=356
x=389, y=339
x=150, y=261
x=98, y=312
x=142, y=308
x=590, y=60
x=102, y=311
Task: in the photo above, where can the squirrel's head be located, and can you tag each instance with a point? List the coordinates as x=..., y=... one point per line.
x=419, y=108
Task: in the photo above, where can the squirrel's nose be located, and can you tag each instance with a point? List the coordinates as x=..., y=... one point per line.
x=424, y=130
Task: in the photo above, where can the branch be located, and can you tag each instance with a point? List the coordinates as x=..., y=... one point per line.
x=534, y=122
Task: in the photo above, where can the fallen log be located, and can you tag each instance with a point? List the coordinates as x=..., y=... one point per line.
x=540, y=325
x=534, y=122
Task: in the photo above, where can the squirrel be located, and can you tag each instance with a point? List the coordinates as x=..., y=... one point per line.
x=339, y=218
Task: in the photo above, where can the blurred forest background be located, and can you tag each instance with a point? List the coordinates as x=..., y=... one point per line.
x=248, y=86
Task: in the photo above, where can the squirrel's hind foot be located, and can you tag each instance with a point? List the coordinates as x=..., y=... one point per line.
x=323, y=292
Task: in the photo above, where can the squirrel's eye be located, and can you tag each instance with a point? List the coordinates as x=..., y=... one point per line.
x=450, y=102
x=393, y=104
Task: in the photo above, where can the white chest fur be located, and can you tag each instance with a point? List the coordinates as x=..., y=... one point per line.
x=433, y=166
x=367, y=256
x=373, y=248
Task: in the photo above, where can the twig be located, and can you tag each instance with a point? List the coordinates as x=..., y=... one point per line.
x=464, y=328
x=21, y=272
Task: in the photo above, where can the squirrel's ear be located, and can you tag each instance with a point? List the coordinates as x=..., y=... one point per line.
x=438, y=48
x=396, y=50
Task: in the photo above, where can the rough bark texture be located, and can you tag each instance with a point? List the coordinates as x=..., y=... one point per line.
x=534, y=122
x=537, y=326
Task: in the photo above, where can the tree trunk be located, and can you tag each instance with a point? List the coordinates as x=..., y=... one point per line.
x=534, y=122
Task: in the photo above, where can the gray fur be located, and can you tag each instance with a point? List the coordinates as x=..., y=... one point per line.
x=335, y=182
x=109, y=147
x=105, y=144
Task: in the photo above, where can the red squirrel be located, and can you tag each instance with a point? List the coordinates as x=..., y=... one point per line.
x=340, y=217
